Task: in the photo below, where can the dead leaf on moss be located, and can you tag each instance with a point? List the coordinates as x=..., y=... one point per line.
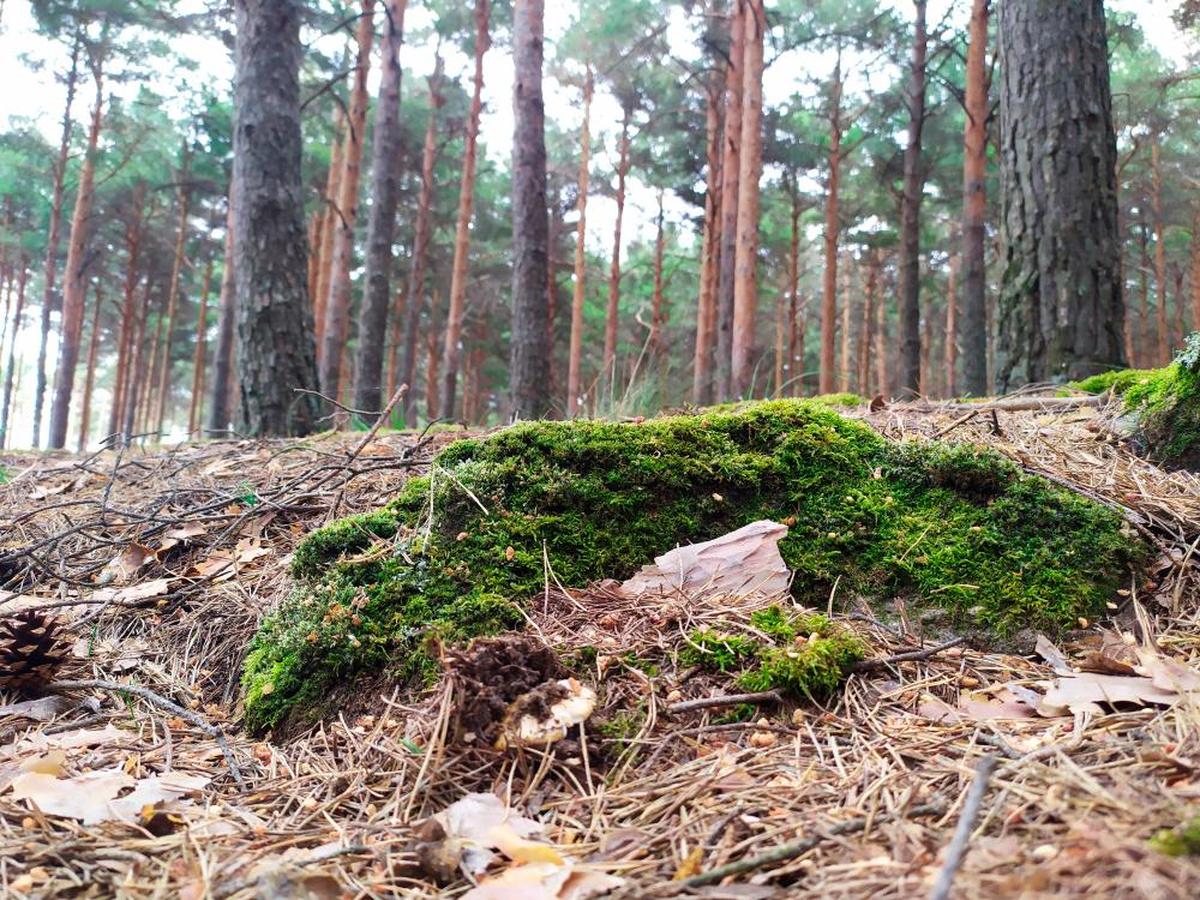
x=743, y=563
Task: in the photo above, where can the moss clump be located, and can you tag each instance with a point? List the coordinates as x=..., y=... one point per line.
x=801, y=656
x=1183, y=840
x=449, y=557
x=844, y=400
x=1166, y=403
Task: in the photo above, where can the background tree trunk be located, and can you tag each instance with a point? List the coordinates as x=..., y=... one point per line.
x=731, y=168
x=974, y=335
x=832, y=234
x=910, y=215
x=452, y=353
x=219, y=416
x=73, y=283
x=125, y=348
x=329, y=220
x=1160, y=252
x=335, y=332
x=575, y=350
x=612, y=313
x=951, y=348
x=52, y=241
x=1061, y=315
x=10, y=369
x=164, y=371
x=89, y=379
x=529, y=369
x=198, y=355
x=381, y=223
x=745, y=287
x=420, y=252
x=706, y=305
x=276, y=354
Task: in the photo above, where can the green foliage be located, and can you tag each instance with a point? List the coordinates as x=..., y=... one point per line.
x=802, y=656
x=1183, y=840
x=959, y=527
x=3, y=474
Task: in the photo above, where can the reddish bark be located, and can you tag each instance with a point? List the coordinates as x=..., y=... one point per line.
x=10, y=370
x=951, y=349
x=164, y=370
x=198, y=356
x=89, y=381
x=730, y=171
x=745, y=284
x=612, y=313
x=133, y=248
x=827, y=372
x=706, y=305
x=575, y=351
x=329, y=222
x=1160, y=252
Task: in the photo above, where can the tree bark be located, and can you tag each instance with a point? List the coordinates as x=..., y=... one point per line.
x=1160, y=251
x=612, y=313
x=416, y=274
x=846, y=311
x=951, y=355
x=52, y=242
x=1196, y=270
x=74, y=287
x=731, y=168
x=866, y=334
x=381, y=222
x=137, y=377
x=656, y=298
x=575, y=350
x=89, y=379
x=124, y=374
x=706, y=312
x=198, y=356
x=827, y=371
x=11, y=368
x=974, y=215
x=881, y=336
x=529, y=369
x=1147, y=355
x=335, y=332
x=1061, y=313
x=219, y=413
x=164, y=371
x=329, y=221
x=910, y=215
x=452, y=353
x=276, y=353
x=745, y=286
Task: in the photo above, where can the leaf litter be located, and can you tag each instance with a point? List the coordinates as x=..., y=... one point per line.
x=865, y=787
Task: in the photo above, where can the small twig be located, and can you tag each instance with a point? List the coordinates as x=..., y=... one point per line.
x=213, y=731
x=962, y=832
x=726, y=700
x=870, y=665
x=796, y=848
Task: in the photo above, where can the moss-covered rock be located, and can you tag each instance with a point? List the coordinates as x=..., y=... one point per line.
x=459, y=550
x=1165, y=403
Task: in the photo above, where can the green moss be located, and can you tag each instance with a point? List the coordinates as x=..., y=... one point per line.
x=1166, y=403
x=1183, y=840
x=955, y=526
x=842, y=400
x=802, y=656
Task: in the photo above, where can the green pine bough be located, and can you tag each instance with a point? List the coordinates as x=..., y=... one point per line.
x=459, y=550
x=1165, y=403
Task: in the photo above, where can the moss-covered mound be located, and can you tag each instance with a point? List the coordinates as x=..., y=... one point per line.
x=1165, y=402
x=458, y=551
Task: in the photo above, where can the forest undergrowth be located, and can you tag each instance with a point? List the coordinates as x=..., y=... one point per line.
x=160, y=564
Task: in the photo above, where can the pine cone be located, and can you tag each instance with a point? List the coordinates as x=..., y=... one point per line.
x=31, y=650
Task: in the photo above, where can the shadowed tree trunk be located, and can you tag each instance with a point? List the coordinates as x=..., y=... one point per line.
x=827, y=367
x=745, y=285
x=910, y=215
x=89, y=379
x=452, y=353
x=974, y=214
x=612, y=313
x=73, y=283
x=222, y=372
x=10, y=369
x=731, y=168
x=164, y=370
x=276, y=355
x=706, y=312
x=52, y=241
x=335, y=332
x=578, y=292
x=1061, y=315
x=381, y=223
x=420, y=253
x=529, y=369
x=198, y=356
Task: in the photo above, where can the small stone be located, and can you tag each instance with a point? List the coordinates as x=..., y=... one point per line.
x=1044, y=852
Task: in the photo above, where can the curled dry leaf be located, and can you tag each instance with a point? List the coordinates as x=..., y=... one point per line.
x=465, y=834
x=93, y=796
x=544, y=715
x=545, y=881
x=1085, y=691
x=126, y=564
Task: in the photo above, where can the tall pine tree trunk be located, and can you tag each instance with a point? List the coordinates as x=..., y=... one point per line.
x=133, y=246
x=221, y=384
x=1196, y=270
x=745, y=284
x=974, y=215
x=199, y=354
x=73, y=279
x=164, y=371
x=575, y=349
x=910, y=215
x=137, y=375
x=52, y=242
x=89, y=378
x=706, y=311
x=529, y=368
x=796, y=328
x=951, y=355
x=731, y=168
x=612, y=312
x=1061, y=314
x=335, y=331
x=11, y=368
x=827, y=373
x=846, y=312
x=1160, y=251
x=420, y=252
x=381, y=223
x=882, y=384
x=452, y=353
x=329, y=220
x=276, y=354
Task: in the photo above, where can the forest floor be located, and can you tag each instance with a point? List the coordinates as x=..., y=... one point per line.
x=162, y=561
